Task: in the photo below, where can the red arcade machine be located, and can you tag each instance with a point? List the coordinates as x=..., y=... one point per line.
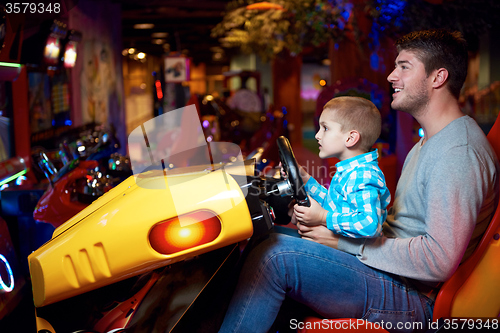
x=51, y=49
x=45, y=111
x=48, y=92
x=14, y=156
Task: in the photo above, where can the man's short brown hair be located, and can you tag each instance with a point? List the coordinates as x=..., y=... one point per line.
x=439, y=48
x=357, y=113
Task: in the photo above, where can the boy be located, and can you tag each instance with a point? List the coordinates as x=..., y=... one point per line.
x=355, y=204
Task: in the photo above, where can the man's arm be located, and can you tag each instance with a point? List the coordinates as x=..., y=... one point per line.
x=453, y=195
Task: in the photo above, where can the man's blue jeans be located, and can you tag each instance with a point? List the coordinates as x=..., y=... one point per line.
x=332, y=283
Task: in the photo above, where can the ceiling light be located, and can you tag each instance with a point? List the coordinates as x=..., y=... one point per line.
x=217, y=56
x=216, y=49
x=264, y=6
x=141, y=55
x=159, y=34
x=144, y=26
x=131, y=50
x=158, y=41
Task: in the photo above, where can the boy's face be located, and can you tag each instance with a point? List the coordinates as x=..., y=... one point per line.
x=331, y=138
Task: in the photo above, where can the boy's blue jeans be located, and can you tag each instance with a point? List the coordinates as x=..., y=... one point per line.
x=332, y=283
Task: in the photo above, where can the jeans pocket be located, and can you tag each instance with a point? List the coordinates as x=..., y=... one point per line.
x=392, y=321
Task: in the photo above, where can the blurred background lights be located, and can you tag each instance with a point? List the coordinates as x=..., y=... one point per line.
x=144, y=26
x=159, y=35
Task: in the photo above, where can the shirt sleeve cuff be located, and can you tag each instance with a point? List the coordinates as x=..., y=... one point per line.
x=350, y=245
x=329, y=221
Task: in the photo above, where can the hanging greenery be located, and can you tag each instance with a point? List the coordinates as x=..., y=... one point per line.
x=267, y=28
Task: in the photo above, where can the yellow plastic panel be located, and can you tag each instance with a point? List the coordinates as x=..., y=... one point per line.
x=109, y=242
x=44, y=326
x=101, y=201
x=480, y=294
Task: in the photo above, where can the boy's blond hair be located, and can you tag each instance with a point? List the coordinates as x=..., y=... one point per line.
x=357, y=113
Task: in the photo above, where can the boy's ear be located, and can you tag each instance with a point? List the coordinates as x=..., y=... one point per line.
x=352, y=139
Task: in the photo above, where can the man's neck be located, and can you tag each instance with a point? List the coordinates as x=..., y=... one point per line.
x=438, y=115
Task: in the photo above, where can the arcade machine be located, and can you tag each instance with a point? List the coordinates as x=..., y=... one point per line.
x=14, y=156
x=40, y=56
x=48, y=92
x=34, y=103
x=47, y=55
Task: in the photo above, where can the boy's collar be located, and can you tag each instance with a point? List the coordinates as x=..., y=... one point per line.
x=357, y=160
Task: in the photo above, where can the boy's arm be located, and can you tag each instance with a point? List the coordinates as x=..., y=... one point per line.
x=316, y=191
x=368, y=197
x=304, y=175
x=302, y=172
x=315, y=214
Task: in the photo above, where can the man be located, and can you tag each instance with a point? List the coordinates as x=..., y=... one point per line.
x=444, y=200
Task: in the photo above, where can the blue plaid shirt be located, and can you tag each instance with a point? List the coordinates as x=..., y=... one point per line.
x=357, y=198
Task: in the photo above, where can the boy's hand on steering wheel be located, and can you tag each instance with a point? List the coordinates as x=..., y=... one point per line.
x=310, y=216
x=282, y=171
x=302, y=172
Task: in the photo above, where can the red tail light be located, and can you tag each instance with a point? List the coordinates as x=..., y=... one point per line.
x=189, y=231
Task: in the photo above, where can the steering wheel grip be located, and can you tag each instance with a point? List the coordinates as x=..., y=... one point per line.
x=292, y=171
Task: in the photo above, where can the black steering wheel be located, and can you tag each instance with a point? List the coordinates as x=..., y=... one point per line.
x=292, y=171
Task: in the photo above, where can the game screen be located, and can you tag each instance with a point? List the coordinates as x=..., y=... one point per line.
x=39, y=101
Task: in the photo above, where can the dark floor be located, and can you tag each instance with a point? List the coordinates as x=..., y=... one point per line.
x=22, y=317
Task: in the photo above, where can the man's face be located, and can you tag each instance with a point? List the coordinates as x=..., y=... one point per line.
x=410, y=83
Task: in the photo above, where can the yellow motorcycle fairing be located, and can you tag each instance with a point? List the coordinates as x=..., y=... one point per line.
x=110, y=240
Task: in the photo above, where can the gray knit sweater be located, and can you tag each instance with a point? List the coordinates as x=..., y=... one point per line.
x=444, y=201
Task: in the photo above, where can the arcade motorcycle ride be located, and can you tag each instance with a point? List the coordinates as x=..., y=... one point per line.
x=87, y=172
x=161, y=251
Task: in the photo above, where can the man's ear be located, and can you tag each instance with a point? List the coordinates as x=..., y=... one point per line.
x=440, y=77
x=352, y=139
